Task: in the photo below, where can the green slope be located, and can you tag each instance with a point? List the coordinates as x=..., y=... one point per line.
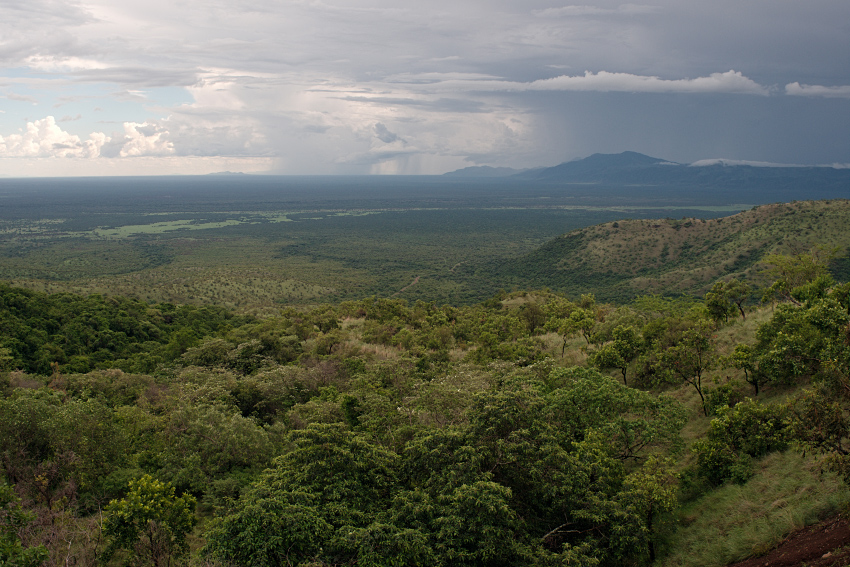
x=619, y=260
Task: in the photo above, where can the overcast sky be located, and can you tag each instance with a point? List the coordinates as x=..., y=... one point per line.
x=112, y=87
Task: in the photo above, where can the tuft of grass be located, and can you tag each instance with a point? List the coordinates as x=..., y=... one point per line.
x=735, y=522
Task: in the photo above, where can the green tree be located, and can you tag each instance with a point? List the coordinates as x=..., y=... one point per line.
x=725, y=297
x=648, y=495
x=578, y=321
x=820, y=423
x=619, y=353
x=746, y=358
x=820, y=414
x=691, y=357
x=801, y=341
x=630, y=422
x=269, y=529
x=736, y=436
x=6, y=362
x=329, y=484
x=150, y=524
x=718, y=303
x=738, y=292
x=792, y=272
x=205, y=442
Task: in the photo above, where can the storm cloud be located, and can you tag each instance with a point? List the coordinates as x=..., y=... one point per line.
x=395, y=86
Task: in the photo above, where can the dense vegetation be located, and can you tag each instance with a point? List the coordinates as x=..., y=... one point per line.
x=533, y=428
x=530, y=429
x=65, y=333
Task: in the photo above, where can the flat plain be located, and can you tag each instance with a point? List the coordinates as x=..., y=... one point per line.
x=256, y=244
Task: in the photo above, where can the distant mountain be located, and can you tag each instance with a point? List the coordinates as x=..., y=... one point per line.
x=483, y=171
x=632, y=168
x=599, y=167
x=623, y=259
x=614, y=177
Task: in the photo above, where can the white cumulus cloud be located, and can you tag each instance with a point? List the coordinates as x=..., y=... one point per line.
x=145, y=140
x=44, y=138
x=796, y=89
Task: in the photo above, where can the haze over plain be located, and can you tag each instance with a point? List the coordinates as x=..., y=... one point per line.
x=101, y=87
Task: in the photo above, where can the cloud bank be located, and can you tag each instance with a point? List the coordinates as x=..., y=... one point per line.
x=397, y=86
x=44, y=138
x=730, y=82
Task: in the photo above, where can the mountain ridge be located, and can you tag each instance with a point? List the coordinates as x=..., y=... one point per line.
x=630, y=169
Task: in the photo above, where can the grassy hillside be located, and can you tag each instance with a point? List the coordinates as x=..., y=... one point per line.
x=622, y=259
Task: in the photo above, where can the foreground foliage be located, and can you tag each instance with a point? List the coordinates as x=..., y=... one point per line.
x=382, y=433
x=529, y=476
x=150, y=523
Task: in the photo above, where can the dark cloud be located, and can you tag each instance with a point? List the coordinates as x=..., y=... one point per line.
x=383, y=134
x=777, y=129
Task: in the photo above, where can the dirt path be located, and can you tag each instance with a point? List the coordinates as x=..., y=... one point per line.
x=408, y=286
x=822, y=545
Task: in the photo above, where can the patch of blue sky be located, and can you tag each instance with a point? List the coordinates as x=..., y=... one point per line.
x=13, y=114
x=169, y=96
x=18, y=101
x=15, y=72
x=79, y=108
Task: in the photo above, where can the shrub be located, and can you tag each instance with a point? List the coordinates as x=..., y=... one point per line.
x=736, y=436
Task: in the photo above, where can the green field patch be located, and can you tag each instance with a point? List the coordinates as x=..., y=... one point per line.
x=165, y=227
x=160, y=228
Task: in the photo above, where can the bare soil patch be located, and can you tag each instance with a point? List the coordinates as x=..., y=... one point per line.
x=826, y=544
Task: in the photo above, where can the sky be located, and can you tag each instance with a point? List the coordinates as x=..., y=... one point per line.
x=118, y=87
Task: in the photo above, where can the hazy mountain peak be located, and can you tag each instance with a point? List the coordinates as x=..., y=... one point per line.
x=483, y=171
x=623, y=159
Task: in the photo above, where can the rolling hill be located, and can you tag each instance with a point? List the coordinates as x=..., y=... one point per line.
x=622, y=259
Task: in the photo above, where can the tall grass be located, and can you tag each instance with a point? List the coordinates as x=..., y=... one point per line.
x=735, y=522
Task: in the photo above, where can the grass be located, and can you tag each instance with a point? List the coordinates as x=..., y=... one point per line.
x=160, y=228
x=735, y=522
